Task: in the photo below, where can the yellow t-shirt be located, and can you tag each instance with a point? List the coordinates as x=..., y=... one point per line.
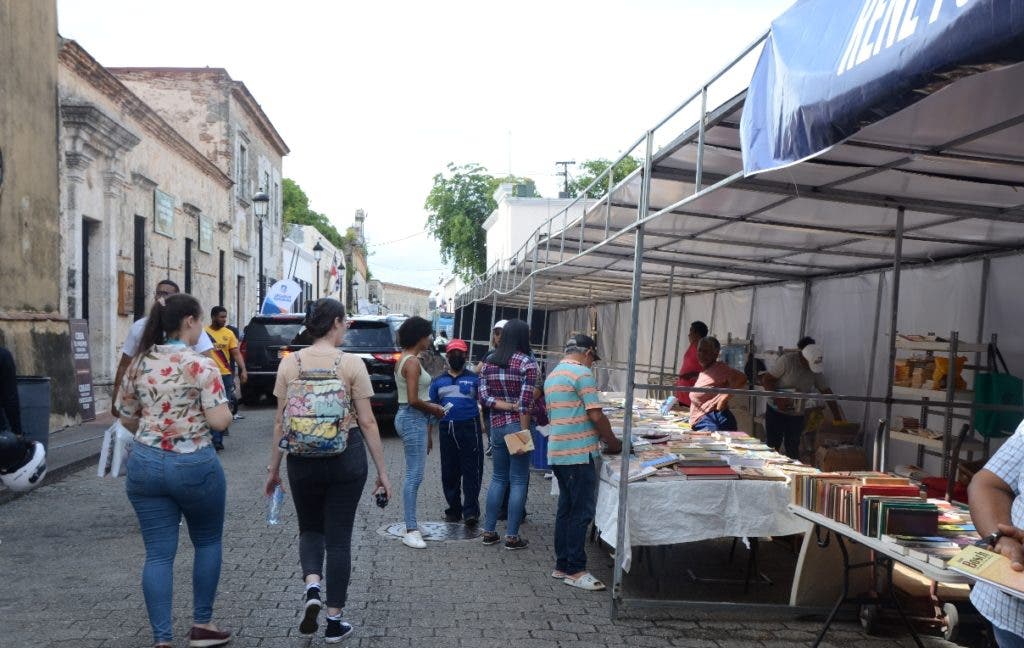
x=224, y=342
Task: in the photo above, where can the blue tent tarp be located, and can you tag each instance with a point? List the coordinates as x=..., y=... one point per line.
x=830, y=68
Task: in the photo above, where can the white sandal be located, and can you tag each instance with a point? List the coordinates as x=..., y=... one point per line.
x=585, y=582
x=560, y=575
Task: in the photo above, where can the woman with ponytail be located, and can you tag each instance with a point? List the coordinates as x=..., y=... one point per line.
x=170, y=398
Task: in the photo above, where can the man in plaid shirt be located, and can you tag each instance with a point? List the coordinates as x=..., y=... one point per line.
x=997, y=509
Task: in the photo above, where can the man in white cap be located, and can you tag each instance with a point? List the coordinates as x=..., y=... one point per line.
x=800, y=371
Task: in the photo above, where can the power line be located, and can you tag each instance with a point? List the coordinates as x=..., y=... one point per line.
x=398, y=240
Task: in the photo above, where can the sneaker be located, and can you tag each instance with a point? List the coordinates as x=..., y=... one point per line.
x=237, y=417
x=472, y=521
x=203, y=638
x=337, y=631
x=311, y=612
x=515, y=543
x=490, y=537
x=413, y=539
x=452, y=517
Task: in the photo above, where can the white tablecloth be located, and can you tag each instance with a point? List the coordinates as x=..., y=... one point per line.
x=663, y=512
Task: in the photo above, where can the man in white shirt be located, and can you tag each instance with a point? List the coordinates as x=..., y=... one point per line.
x=204, y=345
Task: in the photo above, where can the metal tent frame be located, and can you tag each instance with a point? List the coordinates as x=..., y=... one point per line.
x=937, y=182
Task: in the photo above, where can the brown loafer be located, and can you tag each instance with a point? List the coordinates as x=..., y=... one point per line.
x=203, y=638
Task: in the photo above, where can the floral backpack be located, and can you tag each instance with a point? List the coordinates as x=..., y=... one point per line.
x=316, y=412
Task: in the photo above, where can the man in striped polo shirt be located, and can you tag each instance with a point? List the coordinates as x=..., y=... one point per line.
x=577, y=428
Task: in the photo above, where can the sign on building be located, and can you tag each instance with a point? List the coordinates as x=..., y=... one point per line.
x=83, y=367
x=163, y=213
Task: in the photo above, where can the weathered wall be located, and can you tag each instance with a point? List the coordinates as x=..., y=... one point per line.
x=32, y=325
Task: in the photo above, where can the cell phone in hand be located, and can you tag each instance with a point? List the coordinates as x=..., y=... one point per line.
x=382, y=499
x=447, y=407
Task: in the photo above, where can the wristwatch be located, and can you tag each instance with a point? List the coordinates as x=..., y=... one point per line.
x=990, y=540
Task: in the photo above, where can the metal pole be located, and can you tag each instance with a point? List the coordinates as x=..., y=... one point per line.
x=698, y=180
x=714, y=307
x=803, y=308
x=894, y=304
x=533, y=290
x=679, y=330
x=494, y=312
x=986, y=268
x=262, y=293
x=318, y=278
x=874, y=351
x=668, y=317
x=544, y=338
x=608, y=205
x=650, y=350
x=627, y=430
x=750, y=317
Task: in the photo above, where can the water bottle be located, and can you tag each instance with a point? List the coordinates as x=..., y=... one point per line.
x=274, y=506
x=669, y=403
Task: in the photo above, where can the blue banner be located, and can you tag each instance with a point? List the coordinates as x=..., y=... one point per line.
x=832, y=67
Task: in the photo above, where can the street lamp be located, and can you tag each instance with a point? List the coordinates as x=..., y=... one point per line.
x=318, y=251
x=260, y=206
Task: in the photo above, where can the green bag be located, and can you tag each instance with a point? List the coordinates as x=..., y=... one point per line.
x=995, y=388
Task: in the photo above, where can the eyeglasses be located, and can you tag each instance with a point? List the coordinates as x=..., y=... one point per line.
x=164, y=294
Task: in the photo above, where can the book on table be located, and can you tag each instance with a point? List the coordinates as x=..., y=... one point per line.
x=989, y=567
x=699, y=472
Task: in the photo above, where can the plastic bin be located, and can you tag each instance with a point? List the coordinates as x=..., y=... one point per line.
x=34, y=398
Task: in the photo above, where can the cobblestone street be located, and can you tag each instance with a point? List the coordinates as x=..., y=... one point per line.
x=71, y=558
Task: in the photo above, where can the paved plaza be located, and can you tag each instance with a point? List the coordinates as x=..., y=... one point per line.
x=71, y=557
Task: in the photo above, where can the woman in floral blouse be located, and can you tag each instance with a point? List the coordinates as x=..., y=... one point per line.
x=171, y=397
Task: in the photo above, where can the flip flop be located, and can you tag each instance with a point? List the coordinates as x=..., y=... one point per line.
x=585, y=582
x=560, y=575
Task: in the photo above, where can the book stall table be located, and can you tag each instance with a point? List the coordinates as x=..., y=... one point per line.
x=665, y=511
x=882, y=555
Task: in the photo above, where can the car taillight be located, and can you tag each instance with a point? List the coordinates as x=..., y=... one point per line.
x=391, y=358
x=243, y=346
x=283, y=352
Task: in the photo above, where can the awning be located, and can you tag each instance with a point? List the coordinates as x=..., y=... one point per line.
x=829, y=69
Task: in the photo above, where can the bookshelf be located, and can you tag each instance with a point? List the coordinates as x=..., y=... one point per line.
x=941, y=402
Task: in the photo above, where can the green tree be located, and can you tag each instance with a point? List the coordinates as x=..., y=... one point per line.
x=593, y=168
x=297, y=211
x=457, y=205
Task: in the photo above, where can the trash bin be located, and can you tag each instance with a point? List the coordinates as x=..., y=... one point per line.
x=34, y=398
x=539, y=456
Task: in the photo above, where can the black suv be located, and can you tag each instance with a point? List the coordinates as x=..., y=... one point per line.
x=374, y=339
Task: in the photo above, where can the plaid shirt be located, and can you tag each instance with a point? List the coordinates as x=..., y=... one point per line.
x=1003, y=610
x=513, y=384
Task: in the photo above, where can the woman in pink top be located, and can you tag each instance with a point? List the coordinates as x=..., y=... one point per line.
x=709, y=411
x=690, y=369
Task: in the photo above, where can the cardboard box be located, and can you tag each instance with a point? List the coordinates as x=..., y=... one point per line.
x=832, y=434
x=841, y=458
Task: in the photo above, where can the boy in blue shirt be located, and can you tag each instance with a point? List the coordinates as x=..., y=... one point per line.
x=462, y=450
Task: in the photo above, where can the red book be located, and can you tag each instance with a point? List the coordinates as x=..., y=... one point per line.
x=709, y=472
x=890, y=491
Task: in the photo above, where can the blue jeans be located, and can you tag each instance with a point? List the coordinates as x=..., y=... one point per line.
x=511, y=473
x=1006, y=639
x=462, y=466
x=162, y=486
x=716, y=421
x=577, y=501
x=229, y=391
x=411, y=425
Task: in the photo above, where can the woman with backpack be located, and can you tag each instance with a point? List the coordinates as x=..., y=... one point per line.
x=412, y=421
x=508, y=380
x=171, y=398
x=325, y=423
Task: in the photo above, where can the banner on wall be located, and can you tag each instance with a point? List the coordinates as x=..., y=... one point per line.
x=281, y=297
x=829, y=69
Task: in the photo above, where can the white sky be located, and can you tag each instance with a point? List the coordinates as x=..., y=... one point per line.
x=375, y=98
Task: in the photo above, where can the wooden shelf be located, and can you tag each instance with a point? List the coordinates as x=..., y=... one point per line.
x=961, y=347
x=936, y=396
x=935, y=444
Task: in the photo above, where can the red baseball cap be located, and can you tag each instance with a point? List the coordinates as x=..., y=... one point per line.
x=457, y=345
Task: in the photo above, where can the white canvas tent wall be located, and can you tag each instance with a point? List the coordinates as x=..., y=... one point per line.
x=929, y=196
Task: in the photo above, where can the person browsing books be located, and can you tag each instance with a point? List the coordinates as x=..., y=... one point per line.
x=997, y=509
x=577, y=427
x=462, y=449
x=690, y=369
x=802, y=371
x=710, y=411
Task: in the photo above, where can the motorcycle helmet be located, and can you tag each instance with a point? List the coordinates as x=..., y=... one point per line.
x=27, y=465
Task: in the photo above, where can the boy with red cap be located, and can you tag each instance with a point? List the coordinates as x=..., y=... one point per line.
x=462, y=449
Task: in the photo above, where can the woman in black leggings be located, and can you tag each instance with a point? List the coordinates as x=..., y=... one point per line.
x=326, y=472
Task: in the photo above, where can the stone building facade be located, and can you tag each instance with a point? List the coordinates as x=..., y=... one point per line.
x=33, y=322
x=220, y=117
x=140, y=204
x=405, y=300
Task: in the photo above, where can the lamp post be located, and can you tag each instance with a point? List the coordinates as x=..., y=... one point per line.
x=260, y=206
x=318, y=251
